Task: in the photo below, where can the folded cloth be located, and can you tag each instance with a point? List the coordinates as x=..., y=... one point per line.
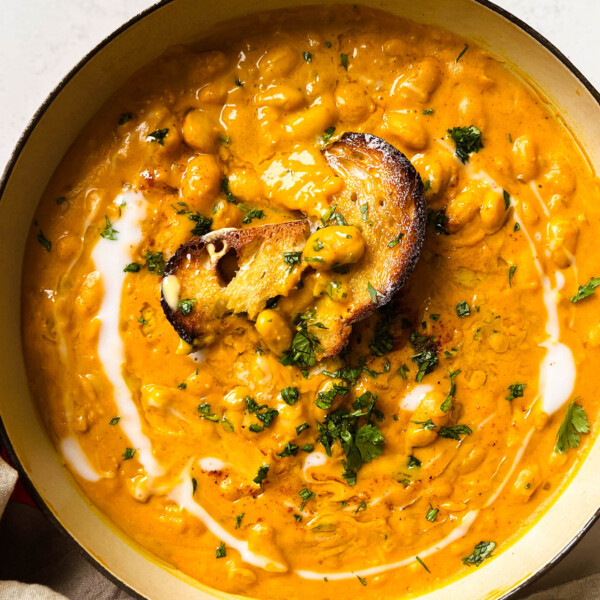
x=38, y=563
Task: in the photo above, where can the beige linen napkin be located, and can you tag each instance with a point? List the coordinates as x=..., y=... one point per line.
x=38, y=563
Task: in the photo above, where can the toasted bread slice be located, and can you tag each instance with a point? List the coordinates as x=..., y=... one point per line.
x=229, y=272
x=383, y=196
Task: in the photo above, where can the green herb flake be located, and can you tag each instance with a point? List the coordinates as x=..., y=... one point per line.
x=158, y=136
x=506, y=197
x=302, y=428
x=454, y=432
x=225, y=189
x=155, y=262
x=306, y=495
x=290, y=395
x=344, y=61
x=221, y=551
x=254, y=213
x=182, y=385
x=132, y=268
x=238, y=520
x=516, y=228
x=447, y=403
x=292, y=258
x=511, y=273
x=238, y=82
x=422, y=564
x=574, y=423
x=375, y=294
x=586, y=290
x=463, y=310
x=403, y=371
x=462, y=52
x=396, y=240
x=432, y=514
x=108, y=233
x=428, y=111
x=114, y=420
x=194, y=485
x=307, y=56
x=262, y=474
x=413, y=462
x=482, y=551
x=426, y=425
x=289, y=450
x=516, y=390
x=362, y=580
x=308, y=448
x=467, y=141
x=186, y=306
x=128, y=454
x=328, y=44
x=61, y=200
x=44, y=241
x=328, y=133
x=205, y=412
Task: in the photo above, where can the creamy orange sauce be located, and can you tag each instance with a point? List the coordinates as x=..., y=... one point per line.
x=164, y=440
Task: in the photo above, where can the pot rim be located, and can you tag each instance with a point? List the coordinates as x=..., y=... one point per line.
x=22, y=142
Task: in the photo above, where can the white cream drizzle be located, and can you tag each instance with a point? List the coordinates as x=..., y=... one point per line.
x=456, y=534
x=182, y=494
x=170, y=289
x=110, y=257
x=77, y=458
x=211, y=464
x=414, y=397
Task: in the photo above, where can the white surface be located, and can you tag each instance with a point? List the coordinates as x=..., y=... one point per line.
x=41, y=40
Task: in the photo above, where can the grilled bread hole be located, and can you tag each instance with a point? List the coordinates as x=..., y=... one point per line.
x=227, y=266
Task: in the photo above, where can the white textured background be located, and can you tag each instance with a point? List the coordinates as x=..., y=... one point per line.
x=41, y=40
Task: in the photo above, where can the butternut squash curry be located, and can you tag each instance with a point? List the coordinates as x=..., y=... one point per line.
x=220, y=336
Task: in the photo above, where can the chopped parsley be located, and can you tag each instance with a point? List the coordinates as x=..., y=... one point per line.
x=302, y=428
x=413, y=462
x=516, y=228
x=308, y=448
x=325, y=399
x=238, y=520
x=307, y=56
x=254, y=213
x=289, y=450
x=108, y=233
x=396, y=240
x=263, y=413
x=114, y=420
x=574, y=423
x=426, y=425
x=158, y=136
x=426, y=354
x=205, y=412
x=454, y=432
x=221, y=551
x=428, y=111
x=238, y=82
x=506, y=197
x=328, y=133
x=203, y=224
x=344, y=61
x=290, y=395
x=462, y=52
x=447, y=403
x=304, y=344
x=306, y=495
x=292, y=258
x=155, y=262
x=432, y=513
x=467, y=141
x=262, y=474
x=364, y=211
x=463, y=310
x=186, y=306
x=225, y=188
x=586, y=290
x=332, y=214
x=194, y=485
x=403, y=371
x=382, y=341
x=516, y=390
x=440, y=220
x=375, y=294
x=132, y=268
x=422, y=564
x=182, y=385
x=128, y=454
x=482, y=551
x=44, y=241
x=362, y=580
x=511, y=274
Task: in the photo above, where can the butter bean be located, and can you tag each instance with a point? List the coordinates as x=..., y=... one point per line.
x=201, y=182
x=274, y=330
x=525, y=161
x=353, y=103
x=334, y=246
x=407, y=128
x=493, y=212
x=200, y=131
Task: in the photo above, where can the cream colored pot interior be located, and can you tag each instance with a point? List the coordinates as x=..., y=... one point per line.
x=183, y=21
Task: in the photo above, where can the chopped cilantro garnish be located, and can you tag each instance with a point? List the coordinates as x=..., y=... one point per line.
x=375, y=294
x=462, y=52
x=155, y=262
x=290, y=395
x=516, y=228
x=262, y=474
x=308, y=448
x=463, y=310
x=129, y=453
x=395, y=241
x=440, y=220
x=194, y=485
x=132, y=268
x=516, y=390
x=108, y=233
x=422, y=564
x=254, y=213
x=432, y=513
x=402, y=371
x=413, y=462
x=328, y=133
x=511, y=273
x=205, y=412
x=263, y=413
x=506, y=196
x=158, y=136
x=238, y=82
x=362, y=580
x=482, y=551
x=186, y=306
x=306, y=495
x=44, y=241
x=182, y=385
x=426, y=356
x=289, y=450
x=344, y=61
x=428, y=111
x=586, y=290
x=221, y=551
x=114, y=420
x=325, y=399
x=238, y=520
x=292, y=258
x=427, y=425
x=467, y=141
x=225, y=188
x=203, y=224
x=447, y=403
x=574, y=423
x=301, y=428
x=454, y=432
